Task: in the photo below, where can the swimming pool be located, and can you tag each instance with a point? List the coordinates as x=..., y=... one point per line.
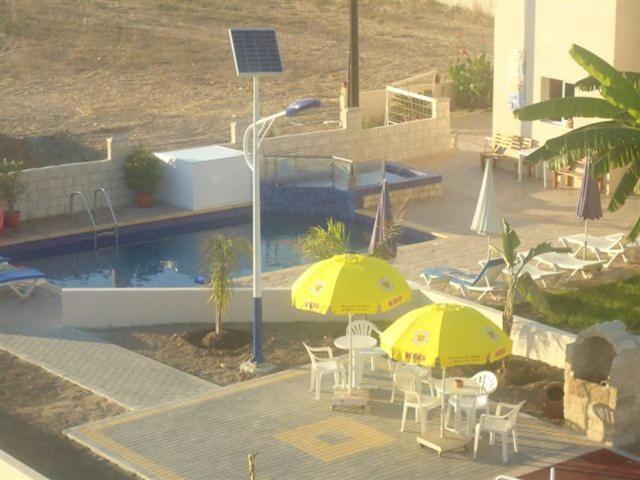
x=173, y=257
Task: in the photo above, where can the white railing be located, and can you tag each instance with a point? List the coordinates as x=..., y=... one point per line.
x=405, y=106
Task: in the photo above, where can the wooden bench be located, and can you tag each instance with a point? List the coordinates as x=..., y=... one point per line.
x=567, y=176
x=506, y=147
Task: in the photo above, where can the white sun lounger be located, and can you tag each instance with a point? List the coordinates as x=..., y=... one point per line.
x=610, y=245
x=566, y=261
x=545, y=277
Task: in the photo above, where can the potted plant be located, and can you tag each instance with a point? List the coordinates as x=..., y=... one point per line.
x=143, y=172
x=11, y=189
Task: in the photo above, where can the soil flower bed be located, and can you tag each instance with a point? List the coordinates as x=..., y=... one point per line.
x=178, y=345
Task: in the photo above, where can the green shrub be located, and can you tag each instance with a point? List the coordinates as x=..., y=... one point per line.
x=143, y=170
x=322, y=242
x=11, y=184
x=472, y=81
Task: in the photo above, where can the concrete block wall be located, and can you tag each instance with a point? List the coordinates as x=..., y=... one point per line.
x=399, y=143
x=49, y=188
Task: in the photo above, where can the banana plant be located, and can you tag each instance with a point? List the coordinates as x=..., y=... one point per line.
x=519, y=282
x=611, y=143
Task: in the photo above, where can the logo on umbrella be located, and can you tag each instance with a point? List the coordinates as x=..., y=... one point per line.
x=421, y=337
x=492, y=334
x=386, y=285
x=318, y=288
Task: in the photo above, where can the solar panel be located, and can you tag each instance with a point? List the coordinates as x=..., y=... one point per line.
x=255, y=51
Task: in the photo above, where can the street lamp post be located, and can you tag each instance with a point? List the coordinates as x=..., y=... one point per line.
x=257, y=131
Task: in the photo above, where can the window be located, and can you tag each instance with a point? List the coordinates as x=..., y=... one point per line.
x=554, y=88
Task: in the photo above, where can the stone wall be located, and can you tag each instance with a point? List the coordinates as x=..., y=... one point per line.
x=399, y=143
x=49, y=188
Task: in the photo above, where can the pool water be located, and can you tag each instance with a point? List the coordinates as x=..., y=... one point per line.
x=176, y=260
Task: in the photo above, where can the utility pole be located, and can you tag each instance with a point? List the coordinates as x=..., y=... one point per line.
x=353, y=86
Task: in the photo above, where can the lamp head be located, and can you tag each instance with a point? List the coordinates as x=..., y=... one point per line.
x=301, y=105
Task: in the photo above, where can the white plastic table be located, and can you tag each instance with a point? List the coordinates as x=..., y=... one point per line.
x=358, y=342
x=471, y=388
x=522, y=154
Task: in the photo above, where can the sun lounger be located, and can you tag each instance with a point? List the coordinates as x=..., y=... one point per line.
x=610, y=245
x=440, y=276
x=566, y=261
x=21, y=281
x=545, y=277
x=483, y=283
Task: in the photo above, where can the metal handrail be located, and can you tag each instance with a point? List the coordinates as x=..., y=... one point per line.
x=86, y=206
x=113, y=214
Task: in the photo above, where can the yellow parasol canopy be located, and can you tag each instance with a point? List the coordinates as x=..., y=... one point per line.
x=350, y=284
x=446, y=335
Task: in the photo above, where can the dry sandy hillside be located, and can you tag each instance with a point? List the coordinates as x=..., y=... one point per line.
x=163, y=68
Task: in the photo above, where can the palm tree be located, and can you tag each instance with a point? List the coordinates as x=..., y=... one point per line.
x=608, y=144
x=324, y=242
x=221, y=256
x=519, y=282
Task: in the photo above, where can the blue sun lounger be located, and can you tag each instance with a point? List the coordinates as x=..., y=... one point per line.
x=21, y=280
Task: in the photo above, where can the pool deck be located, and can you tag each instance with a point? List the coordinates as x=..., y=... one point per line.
x=298, y=437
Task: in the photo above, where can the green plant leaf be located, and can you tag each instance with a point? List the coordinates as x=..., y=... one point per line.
x=510, y=244
x=614, y=87
x=568, y=107
x=627, y=185
x=593, y=140
x=529, y=290
x=589, y=84
x=616, y=157
x=635, y=231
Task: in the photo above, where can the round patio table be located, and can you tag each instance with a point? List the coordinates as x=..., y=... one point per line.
x=358, y=342
x=470, y=388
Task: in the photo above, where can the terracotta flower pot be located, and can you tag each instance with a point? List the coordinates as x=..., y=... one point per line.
x=144, y=200
x=552, y=400
x=12, y=218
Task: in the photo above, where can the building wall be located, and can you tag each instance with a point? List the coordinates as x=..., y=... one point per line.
x=546, y=31
x=49, y=188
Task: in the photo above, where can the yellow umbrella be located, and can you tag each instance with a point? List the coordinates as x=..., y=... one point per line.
x=445, y=335
x=350, y=284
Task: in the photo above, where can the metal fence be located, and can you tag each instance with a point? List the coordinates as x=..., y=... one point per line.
x=404, y=106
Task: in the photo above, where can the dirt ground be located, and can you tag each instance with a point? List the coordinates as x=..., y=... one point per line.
x=164, y=70
x=283, y=347
x=35, y=407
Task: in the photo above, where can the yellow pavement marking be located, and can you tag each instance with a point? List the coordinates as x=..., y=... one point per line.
x=360, y=438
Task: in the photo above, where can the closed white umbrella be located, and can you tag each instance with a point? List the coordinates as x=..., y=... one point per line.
x=486, y=219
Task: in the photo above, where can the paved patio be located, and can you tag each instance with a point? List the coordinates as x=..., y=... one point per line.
x=209, y=436
x=127, y=378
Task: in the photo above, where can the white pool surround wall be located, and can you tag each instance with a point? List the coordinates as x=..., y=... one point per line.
x=126, y=307
x=13, y=469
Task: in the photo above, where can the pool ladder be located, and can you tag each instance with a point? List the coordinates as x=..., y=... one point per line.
x=112, y=232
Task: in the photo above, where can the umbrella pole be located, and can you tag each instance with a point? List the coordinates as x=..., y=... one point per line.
x=442, y=400
x=351, y=359
x=488, y=248
x=586, y=239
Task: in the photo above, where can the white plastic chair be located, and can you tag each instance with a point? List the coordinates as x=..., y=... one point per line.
x=368, y=329
x=410, y=384
x=469, y=405
x=321, y=365
x=424, y=373
x=502, y=424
